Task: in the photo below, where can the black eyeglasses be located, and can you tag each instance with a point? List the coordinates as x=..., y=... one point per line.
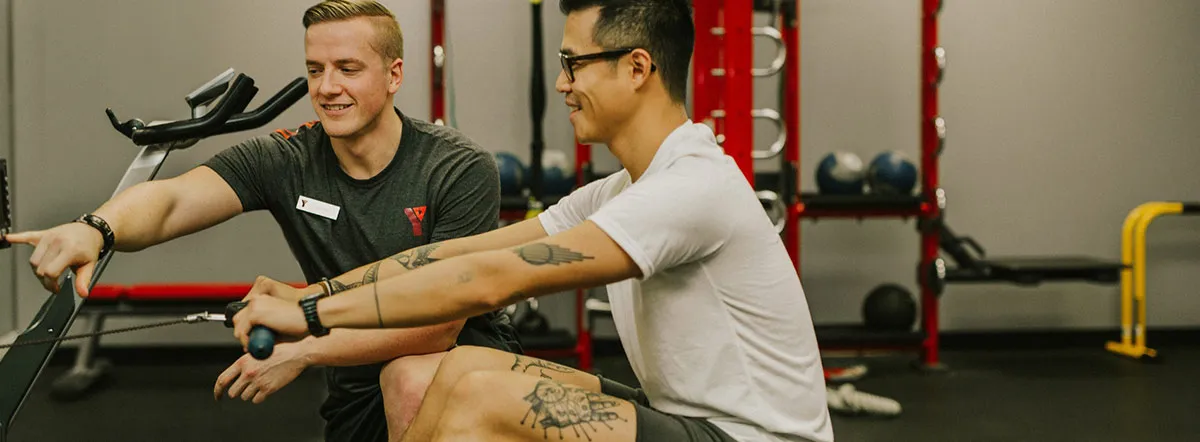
x=569, y=61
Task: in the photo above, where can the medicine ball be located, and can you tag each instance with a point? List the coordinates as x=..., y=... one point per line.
x=512, y=173
x=558, y=173
x=891, y=173
x=889, y=307
x=840, y=173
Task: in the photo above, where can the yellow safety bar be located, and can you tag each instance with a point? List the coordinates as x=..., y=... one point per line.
x=1133, y=275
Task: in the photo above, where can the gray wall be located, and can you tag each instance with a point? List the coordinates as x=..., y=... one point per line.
x=1062, y=117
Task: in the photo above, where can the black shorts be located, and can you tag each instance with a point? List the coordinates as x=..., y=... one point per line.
x=654, y=425
x=361, y=418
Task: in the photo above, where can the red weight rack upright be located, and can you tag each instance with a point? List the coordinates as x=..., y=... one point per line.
x=437, y=67
x=723, y=89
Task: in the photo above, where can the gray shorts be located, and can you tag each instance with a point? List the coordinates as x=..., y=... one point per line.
x=656, y=426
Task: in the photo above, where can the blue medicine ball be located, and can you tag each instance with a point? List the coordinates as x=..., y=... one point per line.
x=512, y=173
x=891, y=173
x=840, y=173
x=558, y=173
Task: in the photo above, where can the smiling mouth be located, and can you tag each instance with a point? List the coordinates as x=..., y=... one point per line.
x=336, y=107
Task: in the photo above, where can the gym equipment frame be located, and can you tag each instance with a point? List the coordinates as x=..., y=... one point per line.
x=20, y=366
x=1133, y=275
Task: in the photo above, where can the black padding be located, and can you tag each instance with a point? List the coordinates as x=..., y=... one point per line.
x=1191, y=208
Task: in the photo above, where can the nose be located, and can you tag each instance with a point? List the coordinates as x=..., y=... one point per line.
x=561, y=84
x=329, y=84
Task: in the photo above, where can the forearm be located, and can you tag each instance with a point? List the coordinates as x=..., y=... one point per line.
x=344, y=347
x=398, y=264
x=450, y=290
x=157, y=211
x=136, y=216
x=414, y=258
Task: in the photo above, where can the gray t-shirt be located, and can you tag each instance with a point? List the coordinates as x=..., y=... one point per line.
x=440, y=185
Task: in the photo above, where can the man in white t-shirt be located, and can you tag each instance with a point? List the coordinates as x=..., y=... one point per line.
x=707, y=304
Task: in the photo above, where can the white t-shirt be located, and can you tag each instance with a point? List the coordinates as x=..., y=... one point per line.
x=718, y=326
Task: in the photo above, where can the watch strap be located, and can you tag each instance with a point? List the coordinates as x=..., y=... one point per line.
x=309, y=305
x=105, y=231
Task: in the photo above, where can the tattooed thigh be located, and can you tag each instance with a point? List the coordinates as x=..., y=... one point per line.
x=560, y=410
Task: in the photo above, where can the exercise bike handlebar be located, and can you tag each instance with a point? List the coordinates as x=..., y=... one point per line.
x=274, y=106
x=238, y=97
x=224, y=118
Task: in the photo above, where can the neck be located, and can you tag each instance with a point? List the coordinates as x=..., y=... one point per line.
x=636, y=143
x=364, y=155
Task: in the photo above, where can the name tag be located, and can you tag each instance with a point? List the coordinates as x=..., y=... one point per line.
x=317, y=207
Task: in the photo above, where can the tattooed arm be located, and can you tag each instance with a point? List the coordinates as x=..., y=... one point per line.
x=411, y=259
x=459, y=287
x=360, y=347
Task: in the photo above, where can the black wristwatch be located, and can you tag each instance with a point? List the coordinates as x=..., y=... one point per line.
x=105, y=231
x=309, y=305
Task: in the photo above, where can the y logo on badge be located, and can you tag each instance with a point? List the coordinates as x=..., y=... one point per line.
x=415, y=215
x=317, y=207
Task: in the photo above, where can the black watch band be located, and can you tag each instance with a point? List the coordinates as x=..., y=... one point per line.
x=105, y=231
x=309, y=305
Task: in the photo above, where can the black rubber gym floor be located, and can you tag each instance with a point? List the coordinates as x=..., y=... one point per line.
x=1079, y=394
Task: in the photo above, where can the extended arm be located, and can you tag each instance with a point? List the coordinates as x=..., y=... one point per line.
x=358, y=347
x=141, y=216
x=459, y=287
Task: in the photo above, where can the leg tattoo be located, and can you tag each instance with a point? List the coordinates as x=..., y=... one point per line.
x=523, y=365
x=560, y=406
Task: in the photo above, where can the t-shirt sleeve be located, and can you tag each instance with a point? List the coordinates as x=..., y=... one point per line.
x=469, y=202
x=250, y=167
x=576, y=207
x=667, y=219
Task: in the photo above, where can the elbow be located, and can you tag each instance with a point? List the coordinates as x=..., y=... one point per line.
x=493, y=287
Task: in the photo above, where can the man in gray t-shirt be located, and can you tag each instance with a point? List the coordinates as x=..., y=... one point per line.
x=350, y=193
x=439, y=186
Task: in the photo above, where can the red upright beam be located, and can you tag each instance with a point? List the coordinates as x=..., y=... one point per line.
x=930, y=74
x=790, y=27
x=437, y=90
x=738, y=45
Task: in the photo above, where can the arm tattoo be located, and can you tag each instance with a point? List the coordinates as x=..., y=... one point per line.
x=371, y=275
x=422, y=257
x=560, y=406
x=338, y=287
x=542, y=254
x=524, y=364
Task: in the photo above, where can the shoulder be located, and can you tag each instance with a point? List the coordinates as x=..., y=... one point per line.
x=449, y=146
x=307, y=134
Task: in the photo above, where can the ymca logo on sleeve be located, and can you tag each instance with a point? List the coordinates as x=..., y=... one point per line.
x=415, y=215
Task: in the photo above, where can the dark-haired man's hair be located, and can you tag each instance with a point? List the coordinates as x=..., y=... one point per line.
x=663, y=28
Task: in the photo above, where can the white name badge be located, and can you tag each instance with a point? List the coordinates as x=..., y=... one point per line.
x=317, y=207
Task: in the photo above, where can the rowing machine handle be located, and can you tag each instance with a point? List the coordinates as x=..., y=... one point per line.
x=262, y=339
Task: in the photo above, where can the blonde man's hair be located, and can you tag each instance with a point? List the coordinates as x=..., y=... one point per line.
x=389, y=41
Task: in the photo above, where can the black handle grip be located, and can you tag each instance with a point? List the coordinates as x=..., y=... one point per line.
x=262, y=342
x=239, y=97
x=262, y=339
x=270, y=109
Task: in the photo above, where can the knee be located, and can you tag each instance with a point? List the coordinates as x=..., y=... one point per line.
x=406, y=379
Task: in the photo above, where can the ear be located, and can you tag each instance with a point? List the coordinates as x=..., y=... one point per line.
x=396, y=74
x=642, y=67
